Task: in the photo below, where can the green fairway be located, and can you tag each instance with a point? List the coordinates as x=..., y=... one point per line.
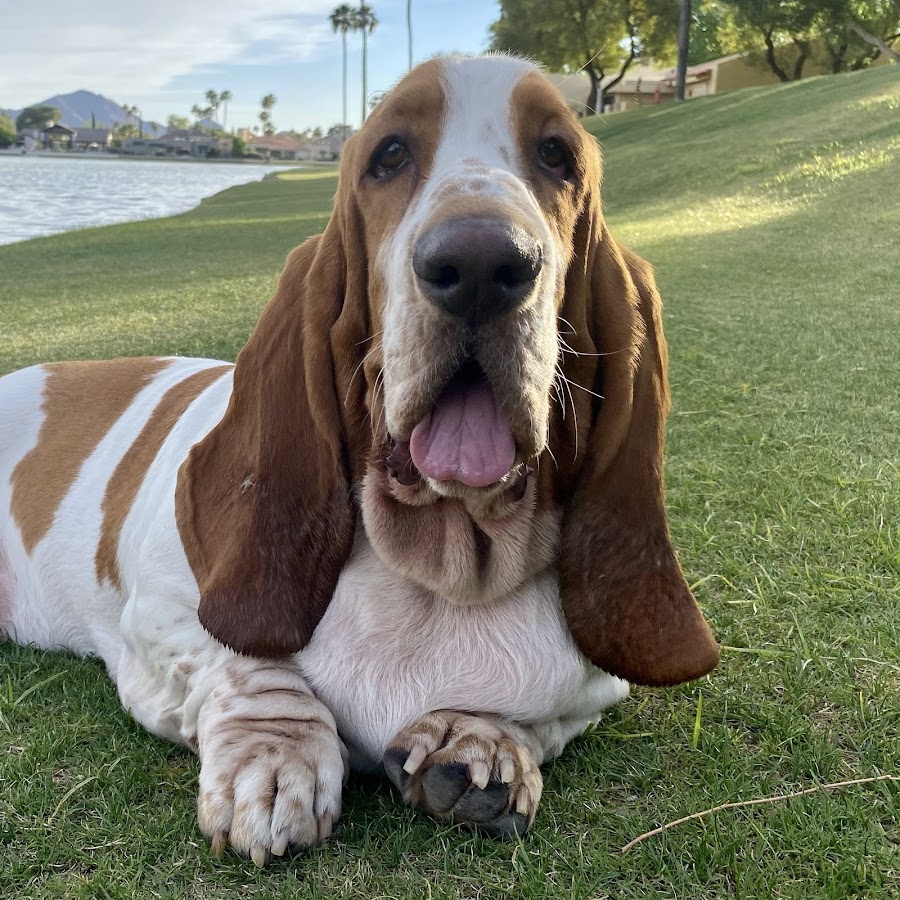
x=773, y=219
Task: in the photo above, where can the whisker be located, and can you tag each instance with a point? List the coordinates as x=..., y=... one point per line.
x=574, y=412
x=583, y=388
x=362, y=362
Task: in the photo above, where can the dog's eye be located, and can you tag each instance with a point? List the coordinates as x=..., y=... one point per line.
x=554, y=155
x=392, y=157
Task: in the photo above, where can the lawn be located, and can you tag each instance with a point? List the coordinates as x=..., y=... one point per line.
x=773, y=219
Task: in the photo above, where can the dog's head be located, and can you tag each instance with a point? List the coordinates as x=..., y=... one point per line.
x=465, y=319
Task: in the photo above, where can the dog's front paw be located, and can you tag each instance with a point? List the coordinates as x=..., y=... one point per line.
x=266, y=785
x=467, y=769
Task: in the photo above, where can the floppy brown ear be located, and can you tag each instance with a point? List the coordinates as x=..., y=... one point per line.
x=263, y=501
x=623, y=594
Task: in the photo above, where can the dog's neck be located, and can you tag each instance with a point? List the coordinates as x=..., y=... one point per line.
x=471, y=549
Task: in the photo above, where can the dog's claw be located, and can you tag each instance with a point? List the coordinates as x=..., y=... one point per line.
x=326, y=823
x=218, y=844
x=415, y=759
x=280, y=845
x=507, y=770
x=479, y=773
x=259, y=856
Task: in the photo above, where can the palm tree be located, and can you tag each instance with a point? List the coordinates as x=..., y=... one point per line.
x=265, y=116
x=224, y=97
x=197, y=112
x=129, y=112
x=342, y=21
x=212, y=98
x=364, y=20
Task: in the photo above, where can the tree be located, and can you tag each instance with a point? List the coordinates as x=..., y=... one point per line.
x=214, y=102
x=684, y=44
x=595, y=36
x=342, y=21
x=364, y=20
x=7, y=130
x=265, y=117
x=871, y=25
x=130, y=111
x=238, y=148
x=36, y=117
x=706, y=20
x=839, y=27
x=224, y=98
x=178, y=122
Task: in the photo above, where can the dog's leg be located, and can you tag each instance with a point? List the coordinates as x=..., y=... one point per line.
x=481, y=769
x=272, y=765
x=478, y=770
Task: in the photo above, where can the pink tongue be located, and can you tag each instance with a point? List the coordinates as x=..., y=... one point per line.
x=464, y=438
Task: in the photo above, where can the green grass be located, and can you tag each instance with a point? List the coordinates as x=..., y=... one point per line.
x=772, y=217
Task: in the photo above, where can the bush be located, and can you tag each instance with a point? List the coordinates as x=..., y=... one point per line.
x=7, y=131
x=238, y=148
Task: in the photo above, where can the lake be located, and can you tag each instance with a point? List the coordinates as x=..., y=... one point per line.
x=43, y=195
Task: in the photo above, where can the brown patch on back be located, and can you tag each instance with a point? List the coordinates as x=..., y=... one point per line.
x=82, y=401
x=126, y=480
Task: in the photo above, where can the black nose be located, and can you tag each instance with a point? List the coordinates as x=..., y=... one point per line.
x=477, y=268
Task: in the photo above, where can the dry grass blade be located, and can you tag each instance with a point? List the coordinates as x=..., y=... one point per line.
x=835, y=785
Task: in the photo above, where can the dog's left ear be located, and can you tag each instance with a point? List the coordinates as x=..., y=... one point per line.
x=623, y=594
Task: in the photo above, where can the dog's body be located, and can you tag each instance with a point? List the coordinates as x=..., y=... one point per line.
x=380, y=658
x=386, y=564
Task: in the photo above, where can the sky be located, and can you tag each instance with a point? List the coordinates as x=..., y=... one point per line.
x=163, y=55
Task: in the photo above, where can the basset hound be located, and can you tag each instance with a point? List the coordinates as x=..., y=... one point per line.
x=417, y=527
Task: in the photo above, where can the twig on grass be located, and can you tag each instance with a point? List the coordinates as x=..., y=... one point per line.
x=759, y=800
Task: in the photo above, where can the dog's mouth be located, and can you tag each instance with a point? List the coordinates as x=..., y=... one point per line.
x=463, y=437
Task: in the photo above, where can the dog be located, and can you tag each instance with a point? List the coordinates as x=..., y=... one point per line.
x=417, y=527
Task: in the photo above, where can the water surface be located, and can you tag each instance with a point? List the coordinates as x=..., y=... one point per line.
x=45, y=195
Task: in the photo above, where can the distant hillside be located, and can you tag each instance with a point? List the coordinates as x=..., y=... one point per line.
x=78, y=107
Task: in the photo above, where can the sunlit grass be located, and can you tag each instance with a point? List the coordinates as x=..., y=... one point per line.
x=772, y=218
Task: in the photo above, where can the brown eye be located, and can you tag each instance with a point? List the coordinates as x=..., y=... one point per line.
x=555, y=156
x=392, y=157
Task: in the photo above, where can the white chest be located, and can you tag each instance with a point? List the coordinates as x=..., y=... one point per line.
x=387, y=651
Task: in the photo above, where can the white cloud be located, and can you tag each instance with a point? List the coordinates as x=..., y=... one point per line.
x=131, y=50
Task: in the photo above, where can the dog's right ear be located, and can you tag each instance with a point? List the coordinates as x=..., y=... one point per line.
x=263, y=502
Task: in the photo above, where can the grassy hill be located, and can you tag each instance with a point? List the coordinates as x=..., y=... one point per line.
x=772, y=217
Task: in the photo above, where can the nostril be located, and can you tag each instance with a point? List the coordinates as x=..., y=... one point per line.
x=506, y=276
x=518, y=274
x=446, y=277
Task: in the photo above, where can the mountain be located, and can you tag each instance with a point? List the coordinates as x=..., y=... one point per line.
x=77, y=108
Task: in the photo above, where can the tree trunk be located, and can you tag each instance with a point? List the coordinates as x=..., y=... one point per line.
x=770, y=57
x=623, y=70
x=837, y=57
x=590, y=108
x=877, y=41
x=684, y=40
x=803, y=50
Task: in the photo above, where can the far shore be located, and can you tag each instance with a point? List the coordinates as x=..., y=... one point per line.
x=56, y=154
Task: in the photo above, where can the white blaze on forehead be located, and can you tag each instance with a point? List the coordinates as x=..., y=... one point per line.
x=478, y=118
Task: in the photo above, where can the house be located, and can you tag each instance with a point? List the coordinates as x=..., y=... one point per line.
x=29, y=139
x=280, y=146
x=644, y=84
x=179, y=142
x=328, y=148
x=58, y=137
x=93, y=139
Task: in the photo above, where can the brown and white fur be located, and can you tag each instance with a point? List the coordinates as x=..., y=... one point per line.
x=231, y=541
